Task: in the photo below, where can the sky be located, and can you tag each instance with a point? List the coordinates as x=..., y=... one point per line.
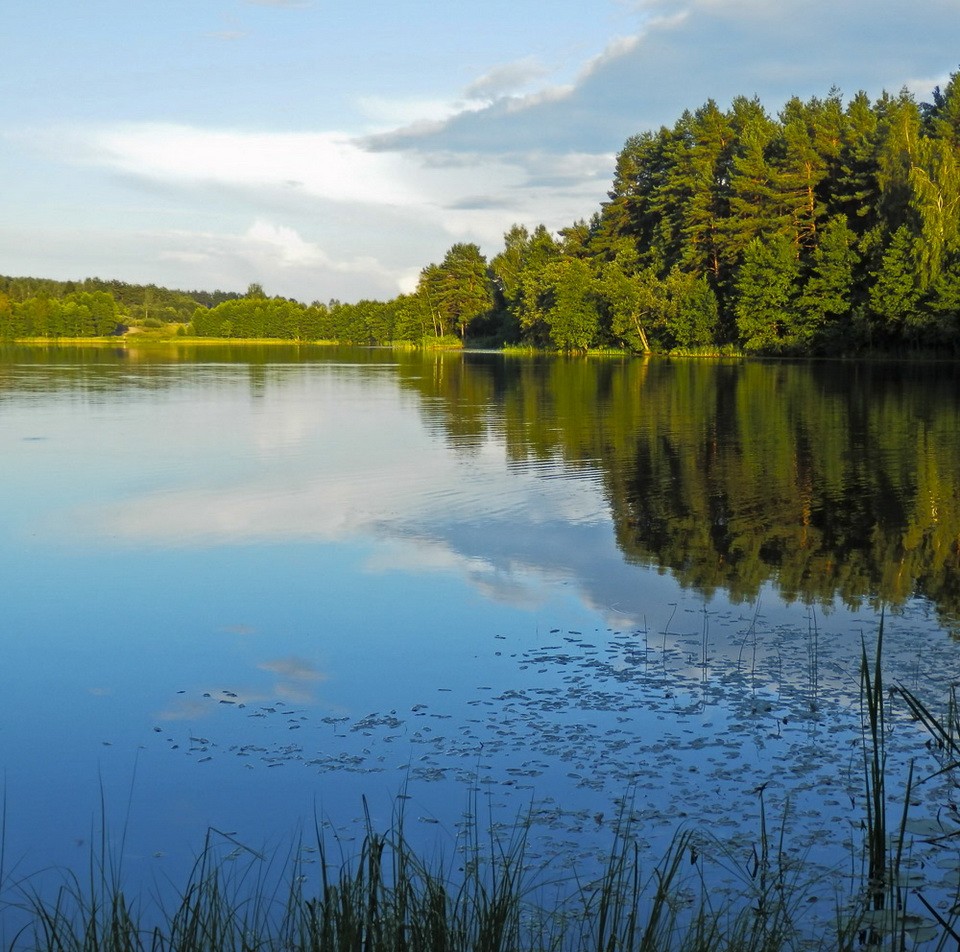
x=331, y=149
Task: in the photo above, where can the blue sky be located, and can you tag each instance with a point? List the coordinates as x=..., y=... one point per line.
x=331, y=149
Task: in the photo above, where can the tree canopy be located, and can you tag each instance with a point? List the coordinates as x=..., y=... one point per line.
x=831, y=227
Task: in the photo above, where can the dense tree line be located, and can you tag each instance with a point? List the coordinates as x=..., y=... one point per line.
x=78, y=314
x=134, y=302
x=832, y=227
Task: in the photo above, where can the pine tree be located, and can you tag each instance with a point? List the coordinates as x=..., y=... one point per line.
x=827, y=294
x=856, y=194
x=895, y=295
x=766, y=296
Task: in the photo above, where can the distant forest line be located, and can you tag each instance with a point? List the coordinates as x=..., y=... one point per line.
x=830, y=228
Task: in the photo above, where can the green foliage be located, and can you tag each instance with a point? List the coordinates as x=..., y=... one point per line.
x=632, y=295
x=826, y=297
x=569, y=303
x=827, y=228
x=895, y=295
x=695, y=315
x=935, y=198
x=766, y=296
x=457, y=291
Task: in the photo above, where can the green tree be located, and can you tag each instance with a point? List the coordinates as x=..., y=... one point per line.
x=8, y=328
x=515, y=271
x=895, y=294
x=630, y=212
x=856, y=192
x=766, y=295
x=809, y=146
x=694, y=316
x=898, y=134
x=754, y=200
x=942, y=116
x=945, y=305
x=458, y=290
x=826, y=297
x=633, y=295
x=694, y=195
x=935, y=198
x=98, y=313
x=570, y=304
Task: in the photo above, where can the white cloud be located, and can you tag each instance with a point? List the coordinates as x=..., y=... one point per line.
x=285, y=244
x=292, y=168
x=460, y=195
x=388, y=112
x=275, y=254
x=323, y=165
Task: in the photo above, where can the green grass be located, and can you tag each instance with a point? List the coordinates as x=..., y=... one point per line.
x=485, y=897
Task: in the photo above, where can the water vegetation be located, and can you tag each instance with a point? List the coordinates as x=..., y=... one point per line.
x=488, y=894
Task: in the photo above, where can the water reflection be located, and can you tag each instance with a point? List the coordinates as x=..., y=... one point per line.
x=827, y=480
x=316, y=576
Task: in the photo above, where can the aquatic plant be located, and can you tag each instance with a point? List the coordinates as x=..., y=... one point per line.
x=487, y=894
x=486, y=897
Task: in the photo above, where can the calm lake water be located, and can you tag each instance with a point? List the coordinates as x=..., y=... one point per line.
x=244, y=588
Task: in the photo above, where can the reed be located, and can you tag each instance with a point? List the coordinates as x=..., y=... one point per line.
x=387, y=898
x=486, y=895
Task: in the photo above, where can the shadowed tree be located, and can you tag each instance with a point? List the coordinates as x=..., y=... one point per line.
x=895, y=294
x=826, y=297
x=766, y=295
x=569, y=304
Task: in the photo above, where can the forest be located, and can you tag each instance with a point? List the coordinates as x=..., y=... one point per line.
x=830, y=228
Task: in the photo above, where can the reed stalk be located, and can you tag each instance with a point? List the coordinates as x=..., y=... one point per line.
x=486, y=896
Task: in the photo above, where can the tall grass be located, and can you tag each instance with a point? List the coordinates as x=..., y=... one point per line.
x=487, y=895
x=484, y=897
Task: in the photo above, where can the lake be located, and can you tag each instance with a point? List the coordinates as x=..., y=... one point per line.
x=248, y=589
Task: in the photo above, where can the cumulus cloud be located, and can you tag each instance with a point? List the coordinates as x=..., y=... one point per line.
x=276, y=255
